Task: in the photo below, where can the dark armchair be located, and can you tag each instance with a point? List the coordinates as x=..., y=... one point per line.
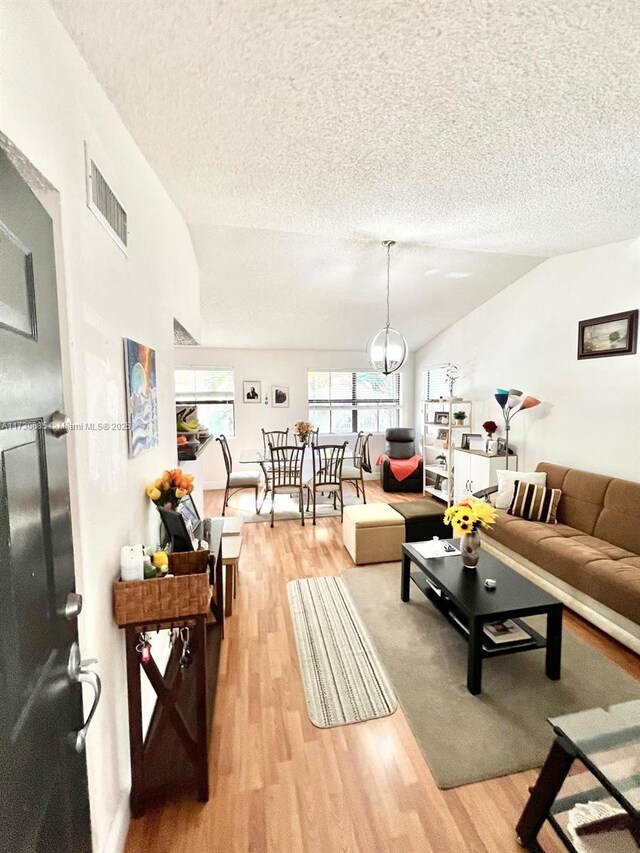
x=401, y=444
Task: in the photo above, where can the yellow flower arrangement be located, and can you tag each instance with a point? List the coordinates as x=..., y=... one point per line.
x=169, y=489
x=470, y=515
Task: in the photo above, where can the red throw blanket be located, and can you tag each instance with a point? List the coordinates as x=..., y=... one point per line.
x=401, y=468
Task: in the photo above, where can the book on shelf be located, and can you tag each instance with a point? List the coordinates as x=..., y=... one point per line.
x=505, y=632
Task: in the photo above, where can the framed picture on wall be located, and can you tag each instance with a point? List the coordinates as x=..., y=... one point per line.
x=142, y=399
x=251, y=391
x=280, y=396
x=614, y=334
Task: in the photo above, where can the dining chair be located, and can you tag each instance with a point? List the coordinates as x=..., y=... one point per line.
x=277, y=437
x=236, y=481
x=361, y=463
x=286, y=473
x=328, y=460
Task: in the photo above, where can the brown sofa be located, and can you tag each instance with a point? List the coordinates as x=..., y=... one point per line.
x=593, y=549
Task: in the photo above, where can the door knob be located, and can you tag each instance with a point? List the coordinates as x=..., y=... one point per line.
x=73, y=606
x=58, y=424
x=79, y=675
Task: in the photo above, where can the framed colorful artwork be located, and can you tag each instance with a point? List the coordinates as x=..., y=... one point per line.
x=142, y=396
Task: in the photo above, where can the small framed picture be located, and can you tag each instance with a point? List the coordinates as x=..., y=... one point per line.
x=251, y=391
x=502, y=446
x=441, y=418
x=614, y=334
x=441, y=482
x=443, y=435
x=471, y=441
x=280, y=396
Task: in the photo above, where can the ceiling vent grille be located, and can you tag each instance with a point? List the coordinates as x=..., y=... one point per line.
x=103, y=203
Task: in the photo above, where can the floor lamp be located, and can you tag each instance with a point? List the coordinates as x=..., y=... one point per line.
x=512, y=402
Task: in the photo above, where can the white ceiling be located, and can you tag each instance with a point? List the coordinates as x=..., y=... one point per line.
x=323, y=293
x=496, y=126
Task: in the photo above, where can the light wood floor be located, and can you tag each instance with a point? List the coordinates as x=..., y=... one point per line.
x=281, y=785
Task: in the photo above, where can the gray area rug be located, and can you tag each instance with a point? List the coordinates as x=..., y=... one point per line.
x=467, y=738
x=286, y=507
x=342, y=677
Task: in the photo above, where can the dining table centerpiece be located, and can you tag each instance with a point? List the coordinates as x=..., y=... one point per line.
x=467, y=518
x=303, y=429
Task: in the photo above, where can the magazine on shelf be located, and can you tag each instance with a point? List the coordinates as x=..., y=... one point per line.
x=505, y=632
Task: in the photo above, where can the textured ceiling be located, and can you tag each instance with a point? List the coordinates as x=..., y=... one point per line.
x=504, y=126
x=276, y=290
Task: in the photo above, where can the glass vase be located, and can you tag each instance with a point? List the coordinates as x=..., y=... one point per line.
x=470, y=547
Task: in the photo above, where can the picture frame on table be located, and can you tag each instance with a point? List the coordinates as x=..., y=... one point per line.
x=251, y=391
x=471, y=441
x=280, y=396
x=613, y=334
x=441, y=418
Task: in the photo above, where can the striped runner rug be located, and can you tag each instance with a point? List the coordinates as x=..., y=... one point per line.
x=343, y=680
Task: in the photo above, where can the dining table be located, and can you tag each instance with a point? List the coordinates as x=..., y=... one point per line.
x=253, y=456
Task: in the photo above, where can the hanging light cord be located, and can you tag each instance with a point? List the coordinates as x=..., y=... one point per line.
x=389, y=244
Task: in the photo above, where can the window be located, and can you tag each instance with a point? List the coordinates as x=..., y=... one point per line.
x=435, y=383
x=211, y=390
x=344, y=401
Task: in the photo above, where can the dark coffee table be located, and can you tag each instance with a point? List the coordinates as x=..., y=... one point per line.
x=460, y=594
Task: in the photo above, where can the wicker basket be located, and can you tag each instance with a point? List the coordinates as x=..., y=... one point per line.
x=188, y=562
x=160, y=599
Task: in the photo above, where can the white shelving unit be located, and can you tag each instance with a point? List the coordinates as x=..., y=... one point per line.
x=441, y=433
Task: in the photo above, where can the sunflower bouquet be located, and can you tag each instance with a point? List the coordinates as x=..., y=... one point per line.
x=470, y=515
x=169, y=489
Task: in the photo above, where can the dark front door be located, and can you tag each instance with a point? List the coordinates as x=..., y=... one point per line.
x=43, y=780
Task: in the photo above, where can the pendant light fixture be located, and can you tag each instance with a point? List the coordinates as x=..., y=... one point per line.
x=388, y=348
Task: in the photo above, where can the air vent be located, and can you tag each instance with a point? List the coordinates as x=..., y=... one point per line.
x=105, y=206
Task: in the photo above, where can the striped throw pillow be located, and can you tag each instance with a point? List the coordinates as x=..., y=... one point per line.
x=534, y=503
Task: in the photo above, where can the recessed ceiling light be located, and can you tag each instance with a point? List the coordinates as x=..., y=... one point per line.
x=457, y=275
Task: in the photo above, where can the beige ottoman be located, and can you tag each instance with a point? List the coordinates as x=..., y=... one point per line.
x=373, y=533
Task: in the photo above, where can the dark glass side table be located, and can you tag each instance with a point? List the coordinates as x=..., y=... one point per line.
x=607, y=744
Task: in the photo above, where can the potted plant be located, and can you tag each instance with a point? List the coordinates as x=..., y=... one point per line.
x=490, y=427
x=441, y=459
x=460, y=417
x=303, y=429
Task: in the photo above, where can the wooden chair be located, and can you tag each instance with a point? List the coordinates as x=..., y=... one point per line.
x=328, y=460
x=236, y=481
x=286, y=474
x=361, y=463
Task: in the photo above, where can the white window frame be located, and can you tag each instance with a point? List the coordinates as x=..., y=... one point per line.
x=208, y=398
x=434, y=383
x=353, y=404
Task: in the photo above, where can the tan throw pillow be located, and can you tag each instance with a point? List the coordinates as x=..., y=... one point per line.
x=534, y=503
x=507, y=478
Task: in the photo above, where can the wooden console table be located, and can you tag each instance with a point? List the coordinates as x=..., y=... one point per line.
x=174, y=754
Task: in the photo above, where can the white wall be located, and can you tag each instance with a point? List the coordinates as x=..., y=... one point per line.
x=51, y=104
x=526, y=337
x=287, y=367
